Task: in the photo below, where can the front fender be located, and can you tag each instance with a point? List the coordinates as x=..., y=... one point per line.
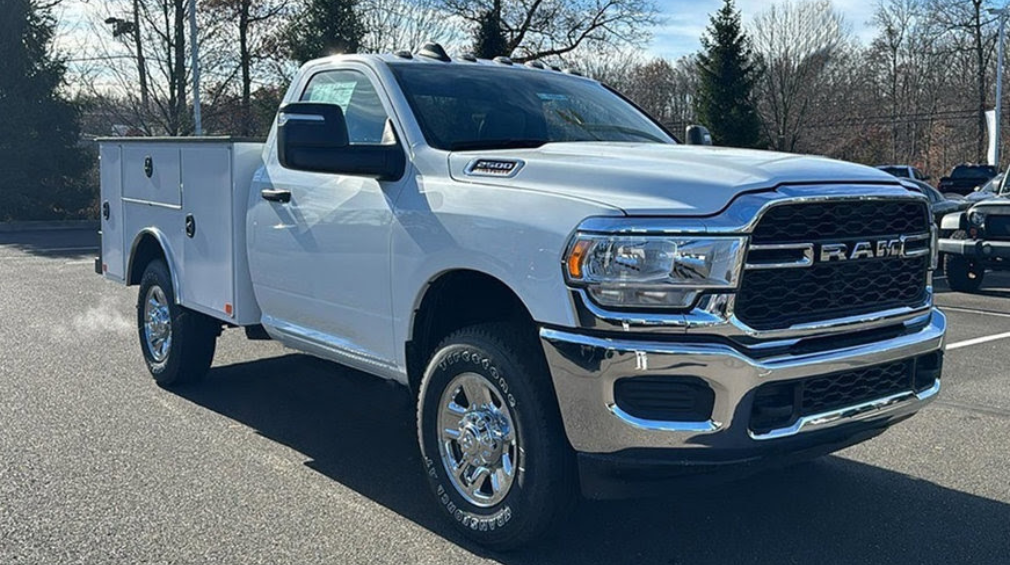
x=952, y=222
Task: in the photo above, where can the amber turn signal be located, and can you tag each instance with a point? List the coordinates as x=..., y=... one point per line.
x=576, y=256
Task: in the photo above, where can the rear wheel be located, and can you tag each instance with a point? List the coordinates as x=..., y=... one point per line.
x=178, y=344
x=491, y=437
x=964, y=274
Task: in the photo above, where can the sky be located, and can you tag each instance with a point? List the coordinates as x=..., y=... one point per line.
x=686, y=20
x=683, y=21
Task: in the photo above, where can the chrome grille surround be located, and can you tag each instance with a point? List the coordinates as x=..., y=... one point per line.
x=715, y=314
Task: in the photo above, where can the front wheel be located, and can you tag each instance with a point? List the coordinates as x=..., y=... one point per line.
x=963, y=274
x=178, y=344
x=491, y=437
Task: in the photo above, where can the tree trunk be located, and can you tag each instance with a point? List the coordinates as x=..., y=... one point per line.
x=243, y=45
x=179, y=80
x=980, y=60
x=141, y=64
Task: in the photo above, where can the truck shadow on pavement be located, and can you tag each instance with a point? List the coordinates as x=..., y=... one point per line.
x=359, y=431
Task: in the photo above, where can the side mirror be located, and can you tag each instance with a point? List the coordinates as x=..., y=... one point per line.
x=698, y=135
x=313, y=137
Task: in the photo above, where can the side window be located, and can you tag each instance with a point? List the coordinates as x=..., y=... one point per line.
x=1003, y=185
x=356, y=96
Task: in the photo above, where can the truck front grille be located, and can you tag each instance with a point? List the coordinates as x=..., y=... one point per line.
x=779, y=405
x=772, y=299
x=841, y=220
x=997, y=227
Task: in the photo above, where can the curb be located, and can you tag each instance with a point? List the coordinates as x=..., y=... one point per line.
x=11, y=227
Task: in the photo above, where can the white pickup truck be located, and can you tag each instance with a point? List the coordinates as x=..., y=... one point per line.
x=577, y=300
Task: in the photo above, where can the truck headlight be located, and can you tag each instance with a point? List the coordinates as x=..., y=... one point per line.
x=976, y=218
x=653, y=271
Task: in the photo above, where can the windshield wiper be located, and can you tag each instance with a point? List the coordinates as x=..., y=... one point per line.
x=497, y=144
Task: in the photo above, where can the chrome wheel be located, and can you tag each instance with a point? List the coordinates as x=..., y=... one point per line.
x=157, y=324
x=477, y=440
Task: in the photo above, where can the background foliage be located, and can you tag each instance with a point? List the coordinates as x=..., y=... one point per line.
x=790, y=77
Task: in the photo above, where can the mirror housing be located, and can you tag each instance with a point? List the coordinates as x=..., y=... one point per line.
x=313, y=137
x=698, y=135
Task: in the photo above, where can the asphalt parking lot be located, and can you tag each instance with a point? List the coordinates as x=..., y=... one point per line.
x=282, y=458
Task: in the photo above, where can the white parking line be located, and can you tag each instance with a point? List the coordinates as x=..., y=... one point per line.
x=977, y=340
x=975, y=311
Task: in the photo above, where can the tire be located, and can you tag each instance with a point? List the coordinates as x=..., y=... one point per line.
x=963, y=274
x=178, y=344
x=543, y=486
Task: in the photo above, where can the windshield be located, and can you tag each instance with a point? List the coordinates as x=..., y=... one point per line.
x=973, y=172
x=482, y=107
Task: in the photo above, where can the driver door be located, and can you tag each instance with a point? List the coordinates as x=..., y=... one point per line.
x=320, y=261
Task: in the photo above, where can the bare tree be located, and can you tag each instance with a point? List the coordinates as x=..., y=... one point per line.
x=969, y=20
x=248, y=16
x=393, y=25
x=538, y=29
x=797, y=43
x=107, y=70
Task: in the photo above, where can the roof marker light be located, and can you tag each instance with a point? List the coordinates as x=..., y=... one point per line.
x=434, y=51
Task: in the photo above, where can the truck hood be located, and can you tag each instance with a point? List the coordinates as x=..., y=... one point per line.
x=650, y=179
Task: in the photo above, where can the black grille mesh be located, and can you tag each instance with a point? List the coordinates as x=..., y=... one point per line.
x=841, y=220
x=997, y=227
x=779, y=298
x=778, y=405
x=821, y=394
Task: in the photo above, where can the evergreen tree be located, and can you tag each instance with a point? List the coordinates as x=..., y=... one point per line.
x=728, y=72
x=41, y=163
x=326, y=27
x=489, y=40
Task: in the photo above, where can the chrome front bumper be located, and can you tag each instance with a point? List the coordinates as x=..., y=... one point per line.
x=975, y=248
x=584, y=369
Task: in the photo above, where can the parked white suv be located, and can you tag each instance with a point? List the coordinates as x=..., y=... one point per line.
x=577, y=299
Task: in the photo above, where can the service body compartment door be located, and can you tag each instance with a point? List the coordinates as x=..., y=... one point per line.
x=151, y=173
x=207, y=272
x=111, y=170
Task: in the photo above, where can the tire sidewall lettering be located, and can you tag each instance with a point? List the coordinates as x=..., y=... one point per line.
x=472, y=521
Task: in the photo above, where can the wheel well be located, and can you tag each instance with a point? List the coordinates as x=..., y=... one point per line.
x=146, y=250
x=455, y=300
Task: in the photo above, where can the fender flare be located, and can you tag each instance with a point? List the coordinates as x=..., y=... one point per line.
x=166, y=251
x=953, y=221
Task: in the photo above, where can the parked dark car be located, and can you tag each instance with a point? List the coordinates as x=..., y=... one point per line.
x=964, y=178
x=904, y=172
x=939, y=205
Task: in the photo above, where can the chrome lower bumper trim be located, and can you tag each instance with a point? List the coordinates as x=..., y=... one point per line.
x=584, y=369
x=851, y=413
x=663, y=425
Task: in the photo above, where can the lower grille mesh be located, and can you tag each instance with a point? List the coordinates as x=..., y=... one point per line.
x=778, y=405
x=821, y=394
x=780, y=298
